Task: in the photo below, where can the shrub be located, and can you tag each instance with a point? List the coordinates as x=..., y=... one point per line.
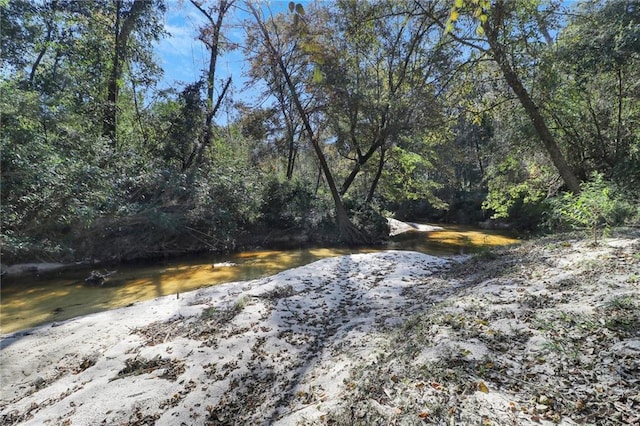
x=366, y=218
x=597, y=207
x=286, y=204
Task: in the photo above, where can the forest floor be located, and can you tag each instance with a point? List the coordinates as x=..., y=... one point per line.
x=544, y=332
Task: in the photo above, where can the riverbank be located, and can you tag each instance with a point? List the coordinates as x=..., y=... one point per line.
x=547, y=331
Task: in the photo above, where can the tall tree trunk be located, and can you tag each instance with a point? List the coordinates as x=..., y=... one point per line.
x=531, y=109
x=620, y=150
x=291, y=158
x=47, y=40
x=376, y=178
x=348, y=231
x=122, y=32
x=212, y=41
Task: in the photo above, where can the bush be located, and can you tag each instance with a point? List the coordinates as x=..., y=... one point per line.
x=286, y=204
x=597, y=207
x=366, y=218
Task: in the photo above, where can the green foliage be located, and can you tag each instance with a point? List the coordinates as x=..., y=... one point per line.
x=407, y=178
x=286, y=204
x=368, y=219
x=597, y=207
x=513, y=182
x=390, y=101
x=476, y=8
x=181, y=125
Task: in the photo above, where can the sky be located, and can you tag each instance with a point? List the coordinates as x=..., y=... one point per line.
x=184, y=58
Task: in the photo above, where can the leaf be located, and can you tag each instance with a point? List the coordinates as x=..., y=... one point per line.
x=454, y=15
x=436, y=385
x=292, y=6
x=448, y=27
x=459, y=3
x=480, y=31
x=482, y=387
x=300, y=9
x=423, y=415
x=317, y=75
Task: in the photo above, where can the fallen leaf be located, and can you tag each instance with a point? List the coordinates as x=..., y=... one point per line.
x=423, y=415
x=482, y=387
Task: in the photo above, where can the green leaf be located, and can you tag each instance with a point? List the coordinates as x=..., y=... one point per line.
x=292, y=6
x=449, y=27
x=317, y=75
x=300, y=9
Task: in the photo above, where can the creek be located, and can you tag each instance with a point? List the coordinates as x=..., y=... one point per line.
x=29, y=300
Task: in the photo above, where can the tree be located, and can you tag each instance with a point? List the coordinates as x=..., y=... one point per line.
x=348, y=231
x=130, y=16
x=593, y=91
x=264, y=70
x=211, y=35
x=496, y=29
x=510, y=29
x=379, y=78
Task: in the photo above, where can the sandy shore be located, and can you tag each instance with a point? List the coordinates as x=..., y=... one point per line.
x=397, y=227
x=546, y=332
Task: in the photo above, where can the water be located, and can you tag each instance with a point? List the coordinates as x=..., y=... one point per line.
x=28, y=301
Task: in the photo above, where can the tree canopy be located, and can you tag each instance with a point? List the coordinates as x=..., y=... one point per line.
x=439, y=110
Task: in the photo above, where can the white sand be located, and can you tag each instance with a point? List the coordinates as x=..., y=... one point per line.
x=543, y=333
x=279, y=356
x=397, y=227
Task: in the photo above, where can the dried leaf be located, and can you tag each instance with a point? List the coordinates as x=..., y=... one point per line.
x=482, y=387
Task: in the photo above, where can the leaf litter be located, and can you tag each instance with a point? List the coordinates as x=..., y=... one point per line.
x=546, y=332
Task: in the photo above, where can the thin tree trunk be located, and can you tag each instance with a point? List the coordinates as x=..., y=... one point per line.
x=347, y=230
x=122, y=32
x=479, y=157
x=620, y=151
x=376, y=179
x=530, y=107
x=213, y=43
x=291, y=158
x=143, y=128
x=362, y=159
x=45, y=45
x=208, y=133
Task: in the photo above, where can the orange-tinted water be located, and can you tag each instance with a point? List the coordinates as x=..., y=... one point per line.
x=28, y=301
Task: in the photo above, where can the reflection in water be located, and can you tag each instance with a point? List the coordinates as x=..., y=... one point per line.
x=29, y=301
